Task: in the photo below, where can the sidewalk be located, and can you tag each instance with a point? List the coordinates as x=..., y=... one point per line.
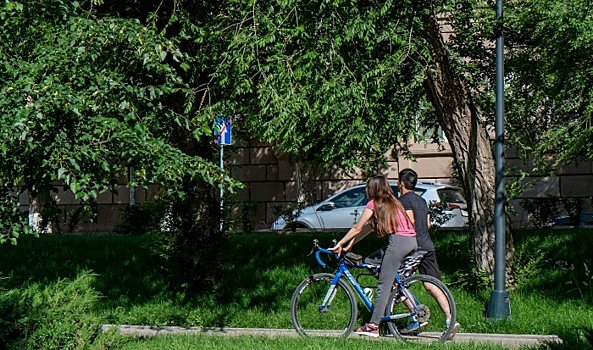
x=508, y=340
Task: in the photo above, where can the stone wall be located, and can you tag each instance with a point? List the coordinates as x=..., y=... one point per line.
x=270, y=181
x=109, y=207
x=574, y=180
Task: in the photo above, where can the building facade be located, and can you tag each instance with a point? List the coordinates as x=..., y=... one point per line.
x=270, y=182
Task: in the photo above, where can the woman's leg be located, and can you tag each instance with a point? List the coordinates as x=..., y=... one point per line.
x=397, y=249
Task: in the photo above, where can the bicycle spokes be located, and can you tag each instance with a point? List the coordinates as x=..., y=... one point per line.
x=318, y=308
x=421, y=310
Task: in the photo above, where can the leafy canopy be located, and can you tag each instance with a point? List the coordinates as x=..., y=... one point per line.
x=326, y=82
x=84, y=97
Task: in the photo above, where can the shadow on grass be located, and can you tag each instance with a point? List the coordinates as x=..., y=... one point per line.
x=574, y=339
x=261, y=271
x=556, y=262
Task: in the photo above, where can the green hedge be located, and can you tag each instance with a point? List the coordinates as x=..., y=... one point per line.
x=54, y=316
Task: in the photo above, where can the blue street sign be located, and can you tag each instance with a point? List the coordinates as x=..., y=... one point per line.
x=222, y=130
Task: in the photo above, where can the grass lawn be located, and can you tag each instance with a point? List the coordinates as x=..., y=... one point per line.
x=553, y=293
x=249, y=342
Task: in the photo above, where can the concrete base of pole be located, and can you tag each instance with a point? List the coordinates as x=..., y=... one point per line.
x=499, y=308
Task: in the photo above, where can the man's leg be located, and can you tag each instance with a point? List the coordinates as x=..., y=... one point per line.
x=429, y=266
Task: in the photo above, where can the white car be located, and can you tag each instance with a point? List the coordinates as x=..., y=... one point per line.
x=341, y=210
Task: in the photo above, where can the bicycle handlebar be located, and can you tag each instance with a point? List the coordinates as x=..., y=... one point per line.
x=318, y=250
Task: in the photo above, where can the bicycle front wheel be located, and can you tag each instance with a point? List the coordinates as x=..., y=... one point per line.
x=430, y=302
x=320, y=309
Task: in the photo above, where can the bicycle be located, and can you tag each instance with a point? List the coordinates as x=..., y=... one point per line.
x=324, y=304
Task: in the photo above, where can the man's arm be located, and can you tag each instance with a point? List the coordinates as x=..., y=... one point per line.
x=411, y=216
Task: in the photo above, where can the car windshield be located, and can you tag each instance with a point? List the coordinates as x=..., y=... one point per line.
x=356, y=197
x=351, y=198
x=450, y=195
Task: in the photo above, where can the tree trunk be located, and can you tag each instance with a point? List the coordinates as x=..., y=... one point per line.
x=472, y=151
x=38, y=203
x=306, y=184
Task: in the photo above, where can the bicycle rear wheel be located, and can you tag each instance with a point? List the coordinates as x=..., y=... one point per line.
x=317, y=309
x=436, y=315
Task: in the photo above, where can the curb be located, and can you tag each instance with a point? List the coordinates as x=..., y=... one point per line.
x=510, y=340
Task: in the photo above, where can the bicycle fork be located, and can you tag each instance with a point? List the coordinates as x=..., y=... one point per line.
x=329, y=297
x=330, y=294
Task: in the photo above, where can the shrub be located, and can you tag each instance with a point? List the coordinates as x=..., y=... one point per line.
x=146, y=217
x=546, y=209
x=289, y=213
x=527, y=264
x=438, y=214
x=12, y=219
x=472, y=280
x=55, y=316
x=193, y=244
x=588, y=335
x=574, y=208
x=248, y=212
x=85, y=213
x=542, y=210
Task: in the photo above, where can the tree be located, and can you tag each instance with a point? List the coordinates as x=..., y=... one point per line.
x=327, y=83
x=550, y=48
x=548, y=74
x=466, y=129
x=84, y=97
x=338, y=83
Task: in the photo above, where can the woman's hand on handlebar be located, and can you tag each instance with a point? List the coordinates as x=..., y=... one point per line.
x=349, y=246
x=336, y=249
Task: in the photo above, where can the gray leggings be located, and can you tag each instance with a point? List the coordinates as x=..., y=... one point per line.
x=395, y=252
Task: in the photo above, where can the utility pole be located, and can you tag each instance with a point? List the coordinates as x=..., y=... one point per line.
x=499, y=307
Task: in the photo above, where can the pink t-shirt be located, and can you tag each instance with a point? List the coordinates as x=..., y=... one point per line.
x=404, y=228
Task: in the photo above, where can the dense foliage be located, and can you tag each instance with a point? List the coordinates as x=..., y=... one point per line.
x=12, y=219
x=548, y=47
x=54, y=316
x=329, y=82
x=86, y=97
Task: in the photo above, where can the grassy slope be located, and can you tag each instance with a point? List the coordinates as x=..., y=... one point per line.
x=246, y=342
x=554, y=294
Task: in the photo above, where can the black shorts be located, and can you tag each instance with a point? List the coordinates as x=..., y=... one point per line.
x=429, y=265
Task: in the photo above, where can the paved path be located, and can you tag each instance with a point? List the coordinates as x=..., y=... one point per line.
x=509, y=340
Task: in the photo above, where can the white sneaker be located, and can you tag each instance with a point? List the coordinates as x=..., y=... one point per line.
x=454, y=330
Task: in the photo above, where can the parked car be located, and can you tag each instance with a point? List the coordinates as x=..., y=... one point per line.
x=343, y=209
x=586, y=221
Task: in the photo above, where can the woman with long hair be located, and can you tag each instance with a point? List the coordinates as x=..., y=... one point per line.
x=385, y=215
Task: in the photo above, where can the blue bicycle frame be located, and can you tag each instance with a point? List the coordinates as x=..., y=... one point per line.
x=343, y=271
